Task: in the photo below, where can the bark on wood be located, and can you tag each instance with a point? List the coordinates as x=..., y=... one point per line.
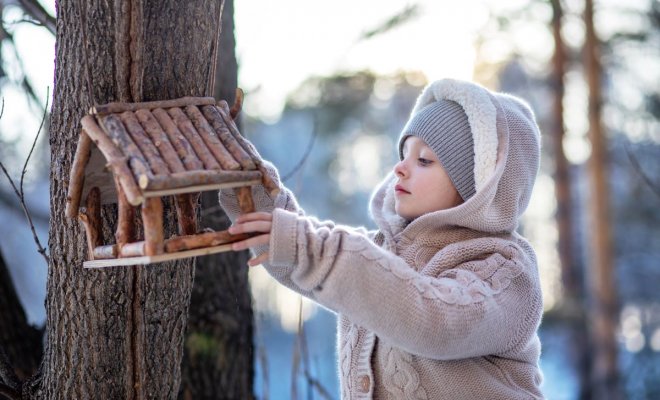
x=116, y=160
x=143, y=142
x=186, y=213
x=115, y=129
x=186, y=127
x=118, y=107
x=160, y=140
x=222, y=155
x=268, y=183
x=77, y=179
x=182, y=146
x=91, y=219
x=208, y=239
x=238, y=104
x=195, y=178
x=152, y=217
x=125, y=232
x=218, y=124
x=244, y=197
x=105, y=252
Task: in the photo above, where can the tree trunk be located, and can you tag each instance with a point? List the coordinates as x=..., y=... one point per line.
x=218, y=357
x=19, y=340
x=574, y=296
x=601, y=274
x=117, y=333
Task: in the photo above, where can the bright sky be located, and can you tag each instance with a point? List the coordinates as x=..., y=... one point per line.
x=279, y=44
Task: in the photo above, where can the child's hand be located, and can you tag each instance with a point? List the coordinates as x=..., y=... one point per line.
x=256, y=222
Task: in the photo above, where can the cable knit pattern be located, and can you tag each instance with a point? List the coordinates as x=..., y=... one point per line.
x=446, y=306
x=403, y=381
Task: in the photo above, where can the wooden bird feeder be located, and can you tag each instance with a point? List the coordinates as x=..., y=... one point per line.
x=133, y=154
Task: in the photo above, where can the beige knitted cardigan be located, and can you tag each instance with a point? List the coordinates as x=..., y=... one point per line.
x=444, y=307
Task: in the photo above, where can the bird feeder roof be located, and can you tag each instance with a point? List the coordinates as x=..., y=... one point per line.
x=159, y=148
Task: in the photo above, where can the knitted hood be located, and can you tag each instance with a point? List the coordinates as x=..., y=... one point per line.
x=507, y=150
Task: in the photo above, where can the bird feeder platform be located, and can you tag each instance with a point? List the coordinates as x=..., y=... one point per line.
x=134, y=154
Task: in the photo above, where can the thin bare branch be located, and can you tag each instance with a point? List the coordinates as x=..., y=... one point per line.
x=36, y=138
x=315, y=133
x=635, y=163
x=406, y=15
x=19, y=190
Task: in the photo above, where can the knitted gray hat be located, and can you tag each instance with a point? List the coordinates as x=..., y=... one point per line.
x=443, y=125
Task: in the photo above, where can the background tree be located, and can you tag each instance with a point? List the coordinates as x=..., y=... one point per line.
x=218, y=357
x=604, y=311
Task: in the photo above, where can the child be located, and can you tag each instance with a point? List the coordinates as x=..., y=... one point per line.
x=443, y=301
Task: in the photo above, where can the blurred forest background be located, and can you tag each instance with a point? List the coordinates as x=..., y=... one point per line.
x=590, y=71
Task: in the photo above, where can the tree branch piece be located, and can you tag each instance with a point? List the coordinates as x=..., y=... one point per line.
x=238, y=104
x=33, y=9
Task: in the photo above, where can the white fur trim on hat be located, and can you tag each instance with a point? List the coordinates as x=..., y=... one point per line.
x=482, y=117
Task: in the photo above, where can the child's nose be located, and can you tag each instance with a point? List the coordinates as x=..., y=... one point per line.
x=400, y=169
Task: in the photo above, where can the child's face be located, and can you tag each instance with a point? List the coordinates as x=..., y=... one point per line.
x=423, y=184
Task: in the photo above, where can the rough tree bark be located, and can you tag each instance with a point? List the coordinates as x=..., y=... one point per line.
x=218, y=357
x=117, y=333
x=20, y=340
x=603, y=317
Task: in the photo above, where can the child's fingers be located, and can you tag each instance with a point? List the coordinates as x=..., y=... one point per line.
x=254, y=216
x=252, y=226
x=258, y=260
x=251, y=242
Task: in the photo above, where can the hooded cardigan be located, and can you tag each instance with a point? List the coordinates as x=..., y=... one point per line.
x=446, y=306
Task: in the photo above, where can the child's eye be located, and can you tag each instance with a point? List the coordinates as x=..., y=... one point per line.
x=424, y=161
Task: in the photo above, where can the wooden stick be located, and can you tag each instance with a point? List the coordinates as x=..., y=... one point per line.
x=188, y=130
x=209, y=136
x=91, y=219
x=207, y=239
x=185, y=212
x=193, y=178
x=183, y=148
x=118, y=107
x=245, y=201
x=268, y=183
x=238, y=104
x=147, y=148
x=105, y=252
x=116, y=160
x=135, y=249
x=152, y=218
x=160, y=140
x=77, y=178
x=215, y=119
x=125, y=231
x=115, y=129
x=172, y=245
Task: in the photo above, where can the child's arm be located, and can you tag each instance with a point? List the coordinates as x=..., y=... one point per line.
x=265, y=203
x=481, y=303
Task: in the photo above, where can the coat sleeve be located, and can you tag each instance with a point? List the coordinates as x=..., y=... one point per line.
x=485, y=304
x=264, y=202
